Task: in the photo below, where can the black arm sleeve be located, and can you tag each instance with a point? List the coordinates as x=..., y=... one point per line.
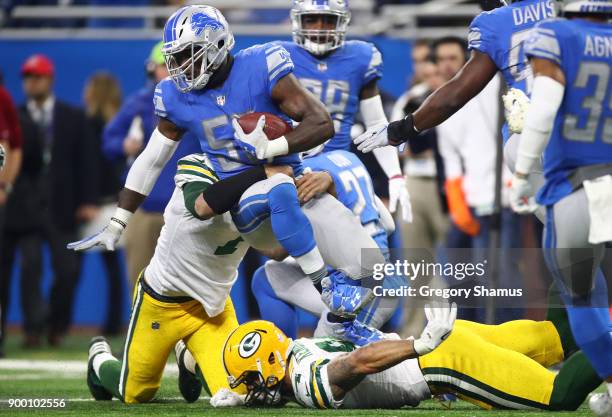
x=223, y=195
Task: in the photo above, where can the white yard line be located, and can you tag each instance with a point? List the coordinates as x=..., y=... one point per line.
x=60, y=366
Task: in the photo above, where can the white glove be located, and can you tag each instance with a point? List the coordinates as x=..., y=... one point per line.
x=255, y=142
x=106, y=238
x=374, y=137
x=227, y=398
x=516, y=104
x=399, y=192
x=522, y=196
x=440, y=320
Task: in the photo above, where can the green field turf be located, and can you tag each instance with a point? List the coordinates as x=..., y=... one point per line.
x=69, y=383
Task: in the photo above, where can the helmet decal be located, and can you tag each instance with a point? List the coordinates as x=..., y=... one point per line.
x=201, y=21
x=249, y=344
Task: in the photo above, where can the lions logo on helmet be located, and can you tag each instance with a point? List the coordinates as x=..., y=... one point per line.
x=255, y=354
x=197, y=41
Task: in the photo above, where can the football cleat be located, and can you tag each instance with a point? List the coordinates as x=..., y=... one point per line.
x=356, y=332
x=189, y=384
x=601, y=404
x=98, y=345
x=344, y=296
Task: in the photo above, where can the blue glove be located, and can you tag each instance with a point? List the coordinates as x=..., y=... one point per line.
x=358, y=333
x=342, y=297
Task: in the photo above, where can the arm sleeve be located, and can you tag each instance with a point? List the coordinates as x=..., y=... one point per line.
x=448, y=150
x=146, y=168
x=191, y=192
x=117, y=129
x=278, y=65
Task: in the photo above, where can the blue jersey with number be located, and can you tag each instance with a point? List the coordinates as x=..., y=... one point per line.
x=207, y=113
x=337, y=79
x=353, y=185
x=500, y=34
x=582, y=133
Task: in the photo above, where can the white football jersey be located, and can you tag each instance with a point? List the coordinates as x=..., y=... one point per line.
x=193, y=257
x=398, y=386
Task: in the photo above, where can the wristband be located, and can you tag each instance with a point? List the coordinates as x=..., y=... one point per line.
x=277, y=147
x=122, y=216
x=402, y=130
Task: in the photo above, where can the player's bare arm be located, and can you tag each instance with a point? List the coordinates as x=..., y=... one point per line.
x=295, y=101
x=311, y=184
x=347, y=371
x=439, y=106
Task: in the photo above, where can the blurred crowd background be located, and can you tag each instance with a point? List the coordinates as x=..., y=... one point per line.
x=76, y=109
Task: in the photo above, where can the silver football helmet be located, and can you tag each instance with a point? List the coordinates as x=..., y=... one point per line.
x=197, y=40
x=601, y=7
x=320, y=41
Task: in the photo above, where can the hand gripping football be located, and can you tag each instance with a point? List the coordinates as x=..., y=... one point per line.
x=274, y=128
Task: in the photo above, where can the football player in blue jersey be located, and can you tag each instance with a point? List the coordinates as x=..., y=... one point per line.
x=496, y=41
x=279, y=285
x=343, y=75
x=570, y=122
x=207, y=89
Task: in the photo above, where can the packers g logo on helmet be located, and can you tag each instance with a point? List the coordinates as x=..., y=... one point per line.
x=249, y=345
x=255, y=354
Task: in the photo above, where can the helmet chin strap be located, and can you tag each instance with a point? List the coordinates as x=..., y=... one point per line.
x=220, y=75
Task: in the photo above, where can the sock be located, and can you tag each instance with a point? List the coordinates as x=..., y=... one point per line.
x=609, y=386
x=272, y=308
x=99, y=359
x=312, y=265
x=109, y=374
x=590, y=328
x=189, y=361
x=292, y=228
x=573, y=383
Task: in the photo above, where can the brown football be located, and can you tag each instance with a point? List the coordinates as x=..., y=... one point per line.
x=274, y=128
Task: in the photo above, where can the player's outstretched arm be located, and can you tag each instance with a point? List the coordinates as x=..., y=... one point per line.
x=345, y=372
x=439, y=106
x=295, y=101
x=139, y=182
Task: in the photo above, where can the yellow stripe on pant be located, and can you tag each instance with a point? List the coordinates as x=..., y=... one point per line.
x=155, y=327
x=494, y=374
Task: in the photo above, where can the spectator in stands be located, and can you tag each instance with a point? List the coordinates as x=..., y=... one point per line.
x=102, y=98
x=468, y=143
x=10, y=138
x=51, y=194
x=124, y=137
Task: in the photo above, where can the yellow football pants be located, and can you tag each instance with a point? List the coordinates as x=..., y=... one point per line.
x=500, y=366
x=155, y=327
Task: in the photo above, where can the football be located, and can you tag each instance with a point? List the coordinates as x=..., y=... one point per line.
x=274, y=128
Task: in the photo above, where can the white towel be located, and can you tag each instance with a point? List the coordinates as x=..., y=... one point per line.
x=599, y=196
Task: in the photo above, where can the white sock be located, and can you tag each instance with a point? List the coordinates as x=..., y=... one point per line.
x=189, y=361
x=609, y=386
x=311, y=262
x=99, y=359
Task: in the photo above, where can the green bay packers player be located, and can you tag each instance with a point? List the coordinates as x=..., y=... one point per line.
x=501, y=366
x=183, y=294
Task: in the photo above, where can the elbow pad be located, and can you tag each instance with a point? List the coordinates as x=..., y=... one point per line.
x=146, y=168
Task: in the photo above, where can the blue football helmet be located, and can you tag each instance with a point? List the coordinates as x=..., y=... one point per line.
x=197, y=40
x=320, y=41
x=586, y=7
